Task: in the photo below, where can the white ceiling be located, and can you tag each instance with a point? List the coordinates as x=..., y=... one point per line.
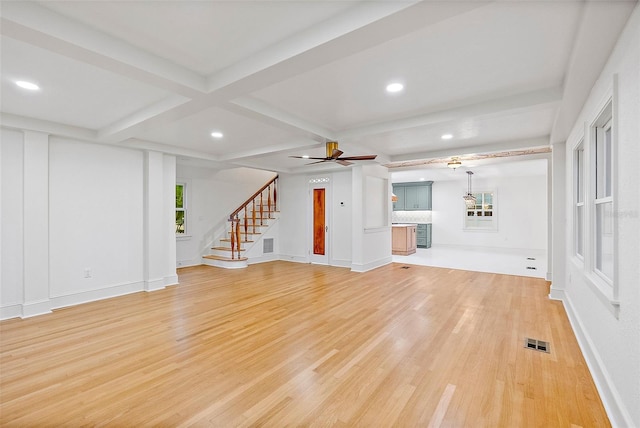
x=281, y=78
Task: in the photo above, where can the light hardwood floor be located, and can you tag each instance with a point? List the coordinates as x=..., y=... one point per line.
x=287, y=344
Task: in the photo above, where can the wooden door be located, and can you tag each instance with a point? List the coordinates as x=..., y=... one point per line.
x=319, y=251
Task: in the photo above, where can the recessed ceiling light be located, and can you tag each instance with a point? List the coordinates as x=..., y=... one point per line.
x=217, y=134
x=421, y=178
x=305, y=156
x=27, y=85
x=395, y=87
x=447, y=137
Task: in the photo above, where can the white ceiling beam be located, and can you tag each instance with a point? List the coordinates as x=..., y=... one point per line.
x=259, y=110
x=14, y=121
x=527, y=143
x=528, y=101
x=591, y=50
x=272, y=150
x=318, y=46
x=112, y=132
x=41, y=27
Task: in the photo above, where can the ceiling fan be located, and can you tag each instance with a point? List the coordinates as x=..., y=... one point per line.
x=333, y=155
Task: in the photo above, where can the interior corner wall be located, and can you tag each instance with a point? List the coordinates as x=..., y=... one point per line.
x=611, y=341
x=371, y=246
x=521, y=204
x=341, y=219
x=293, y=197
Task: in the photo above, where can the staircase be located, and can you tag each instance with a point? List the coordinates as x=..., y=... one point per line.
x=246, y=227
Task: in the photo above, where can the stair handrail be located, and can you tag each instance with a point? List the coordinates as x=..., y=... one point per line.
x=255, y=195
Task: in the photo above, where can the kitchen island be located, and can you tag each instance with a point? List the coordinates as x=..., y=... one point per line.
x=403, y=239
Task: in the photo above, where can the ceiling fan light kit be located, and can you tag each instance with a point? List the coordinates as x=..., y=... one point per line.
x=454, y=163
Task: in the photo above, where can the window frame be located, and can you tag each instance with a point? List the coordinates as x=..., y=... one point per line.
x=579, y=196
x=599, y=127
x=182, y=209
x=489, y=225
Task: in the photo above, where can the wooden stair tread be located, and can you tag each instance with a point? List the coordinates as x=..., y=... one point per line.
x=226, y=259
x=225, y=249
x=248, y=233
x=229, y=240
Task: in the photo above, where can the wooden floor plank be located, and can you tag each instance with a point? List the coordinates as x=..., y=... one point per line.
x=289, y=344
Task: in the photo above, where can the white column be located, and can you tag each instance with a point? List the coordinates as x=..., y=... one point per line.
x=169, y=222
x=154, y=243
x=36, y=224
x=559, y=221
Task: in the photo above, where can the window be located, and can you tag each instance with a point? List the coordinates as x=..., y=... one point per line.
x=482, y=215
x=603, y=197
x=578, y=200
x=181, y=209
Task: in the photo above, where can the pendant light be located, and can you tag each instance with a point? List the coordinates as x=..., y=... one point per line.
x=469, y=199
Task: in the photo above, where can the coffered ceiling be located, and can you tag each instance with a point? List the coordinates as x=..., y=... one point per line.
x=279, y=78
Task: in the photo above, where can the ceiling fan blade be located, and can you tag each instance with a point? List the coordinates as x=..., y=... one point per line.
x=365, y=157
x=312, y=163
x=303, y=157
x=343, y=162
x=336, y=153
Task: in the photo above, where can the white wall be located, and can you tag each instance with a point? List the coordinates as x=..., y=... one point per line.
x=521, y=204
x=296, y=215
x=73, y=222
x=371, y=245
x=11, y=295
x=610, y=336
x=96, y=217
x=212, y=195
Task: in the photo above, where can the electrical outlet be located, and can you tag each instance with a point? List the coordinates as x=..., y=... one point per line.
x=87, y=272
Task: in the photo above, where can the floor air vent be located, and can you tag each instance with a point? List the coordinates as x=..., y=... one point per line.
x=267, y=245
x=536, y=345
x=404, y=267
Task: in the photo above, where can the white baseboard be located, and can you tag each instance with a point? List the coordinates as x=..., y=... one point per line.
x=264, y=258
x=154, y=284
x=100, y=294
x=371, y=265
x=556, y=293
x=341, y=263
x=618, y=414
x=11, y=311
x=40, y=307
x=289, y=258
x=171, y=280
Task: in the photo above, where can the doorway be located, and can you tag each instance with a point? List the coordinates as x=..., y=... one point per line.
x=319, y=233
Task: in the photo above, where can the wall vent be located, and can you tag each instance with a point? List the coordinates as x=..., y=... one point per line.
x=536, y=345
x=532, y=268
x=531, y=258
x=267, y=245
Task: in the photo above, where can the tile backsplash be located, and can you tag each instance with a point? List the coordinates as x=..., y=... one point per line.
x=411, y=216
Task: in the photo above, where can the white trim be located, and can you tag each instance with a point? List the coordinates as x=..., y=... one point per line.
x=154, y=284
x=356, y=267
x=94, y=295
x=171, y=280
x=341, y=263
x=618, y=415
x=11, y=311
x=40, y=307
x=292, y=258
x=263, y=258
